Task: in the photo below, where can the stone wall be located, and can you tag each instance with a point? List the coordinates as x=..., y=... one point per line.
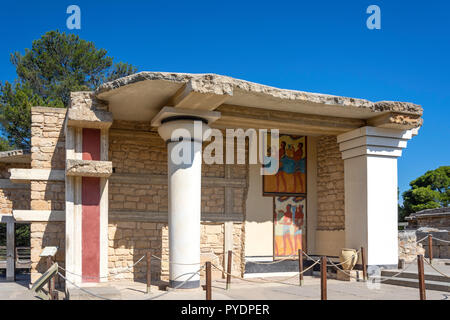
x=47, y=152
x=138, y=204
x=441, y=249
x=17, y=197
x=130, y=240
x=330, y=185
x=432, y=218
x=138, y=211
x=408, y=249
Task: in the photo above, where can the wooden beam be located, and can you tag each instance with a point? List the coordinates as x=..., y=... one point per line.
x=287, y=122
x=10, y=251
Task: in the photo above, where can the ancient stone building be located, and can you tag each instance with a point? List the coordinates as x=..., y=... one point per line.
x=105, y=190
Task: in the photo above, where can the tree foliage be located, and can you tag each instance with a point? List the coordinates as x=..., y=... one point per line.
x=57, y=64
x=428, y=191
x=15, y=112
x=22, y=232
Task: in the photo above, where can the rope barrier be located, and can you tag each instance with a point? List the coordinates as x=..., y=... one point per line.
x=290, y=257
x=442, y=240
x=103, y=277
x=152, y=298
x=342, y=270
x=422, y=239
x=268, y=281
x=437, y=270
x=383, y=279
x=341, y=263
x=180, y=285
x=82, y=289
x=309, y=257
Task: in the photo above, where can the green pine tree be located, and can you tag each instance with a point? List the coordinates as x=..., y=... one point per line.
x=429, y=191
x=57, y=64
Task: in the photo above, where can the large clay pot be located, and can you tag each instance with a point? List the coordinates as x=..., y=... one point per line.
x=346, y=256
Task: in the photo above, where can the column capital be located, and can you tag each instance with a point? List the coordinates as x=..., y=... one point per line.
x=373, y=141
x=171, y=114
x=184, y=121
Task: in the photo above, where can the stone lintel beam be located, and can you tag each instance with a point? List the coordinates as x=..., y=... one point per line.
x=86, y=100
x=26, y=175
x=396, y=120
x=189, y=97
x=286, y=122
x=39, y=215
x=88, y=168
x=89, y=118
x=126, y=215
x=131, y=178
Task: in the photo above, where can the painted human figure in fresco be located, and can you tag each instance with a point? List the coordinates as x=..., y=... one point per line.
x=289, y=218
x=290, y=178
x=286, y=222
x=271, y=161
x=299, y=166
x=281, y=169
x=298, y=225
x=291, y=162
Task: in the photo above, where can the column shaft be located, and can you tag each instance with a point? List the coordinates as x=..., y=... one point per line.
x=184, y=216
x=371, y=207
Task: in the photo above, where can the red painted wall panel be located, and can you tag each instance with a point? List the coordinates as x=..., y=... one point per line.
x=90, y=229
x=90, y=212
x=91, y=144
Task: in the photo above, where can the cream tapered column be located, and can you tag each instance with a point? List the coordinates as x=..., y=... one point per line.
x=370, y=164
x=183, y=131
x=184, y=149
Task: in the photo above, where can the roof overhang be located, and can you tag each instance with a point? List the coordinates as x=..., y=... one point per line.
x=15, y=156
x=139, y=97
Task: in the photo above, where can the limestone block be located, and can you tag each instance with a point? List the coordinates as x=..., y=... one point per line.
x=86, y=100
x=88, y=168
x=89, y=118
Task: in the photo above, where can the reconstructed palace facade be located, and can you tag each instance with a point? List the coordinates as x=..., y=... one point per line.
x=99, y=182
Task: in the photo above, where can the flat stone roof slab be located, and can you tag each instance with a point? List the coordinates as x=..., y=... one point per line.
x=142, y=95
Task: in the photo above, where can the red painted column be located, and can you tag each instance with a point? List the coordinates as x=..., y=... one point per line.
x=90, y=239
x=90, y=213
x=91, y=144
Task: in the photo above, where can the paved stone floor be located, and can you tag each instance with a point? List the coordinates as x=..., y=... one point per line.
x=16, y=290
x=242, y=290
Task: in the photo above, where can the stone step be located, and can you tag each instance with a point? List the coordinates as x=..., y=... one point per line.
x=413, y=283
x=413, y=275
x=95, y=293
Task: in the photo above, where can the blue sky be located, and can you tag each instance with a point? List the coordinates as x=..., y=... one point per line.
x=317, y=46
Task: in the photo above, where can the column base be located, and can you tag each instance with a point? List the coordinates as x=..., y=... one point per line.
x=384, y=266
x=187, y=285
